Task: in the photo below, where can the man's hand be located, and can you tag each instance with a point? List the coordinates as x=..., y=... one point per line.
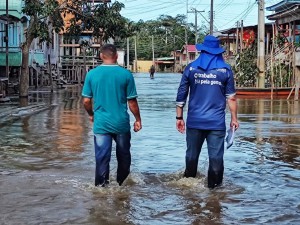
x=180, y=125
x=234, y=123
x=134, y=108
x=137, y=126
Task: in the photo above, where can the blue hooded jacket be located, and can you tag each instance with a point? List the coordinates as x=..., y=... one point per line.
x=208, y=81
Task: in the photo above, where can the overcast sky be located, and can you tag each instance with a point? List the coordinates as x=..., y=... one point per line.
x=227, y=12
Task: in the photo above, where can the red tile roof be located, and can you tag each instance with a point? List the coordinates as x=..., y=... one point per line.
x=190, y=48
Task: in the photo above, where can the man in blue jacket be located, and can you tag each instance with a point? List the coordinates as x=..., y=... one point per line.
x=209, y=83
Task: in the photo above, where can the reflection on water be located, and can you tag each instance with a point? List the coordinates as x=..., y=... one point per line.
x=276, y=127
x=47, y=166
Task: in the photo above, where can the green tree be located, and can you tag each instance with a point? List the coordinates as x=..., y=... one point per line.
x=168, y=33
x=245, y=68
x=42, y=14
x=103, y=20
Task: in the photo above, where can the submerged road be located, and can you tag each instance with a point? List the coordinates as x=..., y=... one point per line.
x=47, y=166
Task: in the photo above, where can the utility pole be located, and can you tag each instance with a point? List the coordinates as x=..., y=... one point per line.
x=237, y=37
x=261, y=44
x=135, y=55
x=195, y=11
x=186, y=46
x=186, y=36
x=127, y=55
x=174, y=54
x=153, y=50
x=242, y=34
x=211, y=24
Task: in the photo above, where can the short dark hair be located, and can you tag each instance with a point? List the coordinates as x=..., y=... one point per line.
x=109, y=50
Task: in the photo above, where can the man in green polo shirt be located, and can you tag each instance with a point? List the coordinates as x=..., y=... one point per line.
x=112, y=89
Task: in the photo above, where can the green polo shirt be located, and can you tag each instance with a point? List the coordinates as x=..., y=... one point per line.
x=110, y=86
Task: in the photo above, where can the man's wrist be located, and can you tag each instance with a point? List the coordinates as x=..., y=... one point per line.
x=179, y=118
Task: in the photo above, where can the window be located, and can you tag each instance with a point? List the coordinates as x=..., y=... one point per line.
x=192, y=56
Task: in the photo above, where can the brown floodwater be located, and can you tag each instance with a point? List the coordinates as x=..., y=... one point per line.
x=47, y=165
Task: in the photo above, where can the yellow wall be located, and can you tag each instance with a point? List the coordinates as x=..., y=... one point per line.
x=144, y=65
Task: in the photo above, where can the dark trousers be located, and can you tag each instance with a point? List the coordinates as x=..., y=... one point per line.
x=103, y=147
x=215, y=145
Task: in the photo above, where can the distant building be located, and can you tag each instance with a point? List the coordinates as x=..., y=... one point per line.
x=165, y=64
x=38, y=52
x=189, y=53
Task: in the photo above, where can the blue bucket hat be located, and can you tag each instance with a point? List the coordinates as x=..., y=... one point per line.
x=211, y=45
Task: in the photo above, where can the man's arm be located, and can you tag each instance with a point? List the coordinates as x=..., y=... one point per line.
x=232, y=104
x=88, y=105
x=134, y=108
x=182, y=94
x=231, y=99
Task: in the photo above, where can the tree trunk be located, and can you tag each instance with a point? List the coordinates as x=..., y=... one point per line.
x=24, y=77
x=50, y=32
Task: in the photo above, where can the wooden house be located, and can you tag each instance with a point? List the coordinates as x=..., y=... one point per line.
x=45, y=63
x=235, y=39
x=177, y=57
x=75, y=59
x=10, y=39
x=38, y=56
x=188, y=54
x=286, y=29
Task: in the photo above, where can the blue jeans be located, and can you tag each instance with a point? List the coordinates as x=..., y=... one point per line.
x=215, y=145
x=103, y=147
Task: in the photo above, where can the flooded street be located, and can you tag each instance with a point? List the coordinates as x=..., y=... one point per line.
x=47, y=166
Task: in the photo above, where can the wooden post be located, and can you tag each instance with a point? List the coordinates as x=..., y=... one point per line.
x=50, y=46
x=297, y=83
x=228, y=45
x=272, y=65
x=73, y=62
x=84, y=66
x=37, y=78
x=31, y=76
x=60, y=53
x=50, y=69
x=135, y=54
x=293, y=55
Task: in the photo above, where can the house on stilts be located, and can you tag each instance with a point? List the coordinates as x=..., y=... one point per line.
x=38, y=57
x=65, y=61
x=281, y=52
x=286, y=50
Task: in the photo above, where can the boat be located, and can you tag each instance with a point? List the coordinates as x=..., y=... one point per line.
x=264, y=92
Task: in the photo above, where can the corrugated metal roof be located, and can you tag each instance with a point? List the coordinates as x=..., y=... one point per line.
x=283, y=5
